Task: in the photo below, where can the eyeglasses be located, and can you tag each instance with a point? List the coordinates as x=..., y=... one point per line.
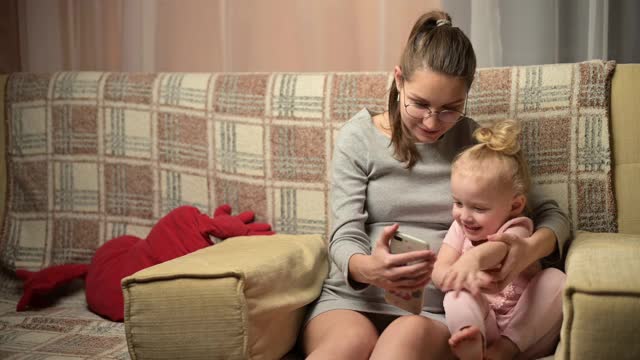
x=421, y=111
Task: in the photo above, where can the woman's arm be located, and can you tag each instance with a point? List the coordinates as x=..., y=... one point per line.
x=523, y=252
x=552, y=227
x=348, y=197
x=349, y=246
x=524, y=249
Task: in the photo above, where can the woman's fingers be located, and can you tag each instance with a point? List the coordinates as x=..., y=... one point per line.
x=409, y=284
x=411, y=276
x=410, y=271
x=413, y=256
x=385, y=237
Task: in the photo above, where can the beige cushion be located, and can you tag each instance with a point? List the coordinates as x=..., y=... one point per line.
x=244, y=298
x=602, y=298
x=625, y=112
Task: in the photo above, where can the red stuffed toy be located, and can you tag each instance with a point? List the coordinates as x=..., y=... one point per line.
x=182, y=231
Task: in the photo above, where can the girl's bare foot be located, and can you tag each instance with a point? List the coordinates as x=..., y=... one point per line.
x=467, y=344
x=502, y=349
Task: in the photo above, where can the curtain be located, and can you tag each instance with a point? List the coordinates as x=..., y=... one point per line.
x=524, y=32
x=214, y=35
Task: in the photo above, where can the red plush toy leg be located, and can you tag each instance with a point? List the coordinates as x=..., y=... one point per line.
x=113, y=261
x=39, y=285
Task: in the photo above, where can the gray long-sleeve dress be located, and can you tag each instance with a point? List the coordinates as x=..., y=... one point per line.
x=371, y=190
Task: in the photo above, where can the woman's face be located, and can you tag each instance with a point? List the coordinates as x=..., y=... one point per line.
x=432, y=92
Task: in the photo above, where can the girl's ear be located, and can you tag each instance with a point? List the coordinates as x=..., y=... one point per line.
x=517, y=205
x=397, y=74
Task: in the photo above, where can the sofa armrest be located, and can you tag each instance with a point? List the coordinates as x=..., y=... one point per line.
x=601, y=304
x=244, y=298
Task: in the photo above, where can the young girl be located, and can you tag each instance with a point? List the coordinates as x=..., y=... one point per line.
x=489, y=184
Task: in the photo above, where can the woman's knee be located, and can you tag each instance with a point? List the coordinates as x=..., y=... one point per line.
x=339, y=334
x=419, y=334
x=419, y=325
x=419, y=331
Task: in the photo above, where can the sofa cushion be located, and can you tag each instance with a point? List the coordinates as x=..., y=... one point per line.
x=243, y=298
x=625, y=112
x=601, y=298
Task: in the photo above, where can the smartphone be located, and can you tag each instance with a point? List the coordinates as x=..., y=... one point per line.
x=409, y=301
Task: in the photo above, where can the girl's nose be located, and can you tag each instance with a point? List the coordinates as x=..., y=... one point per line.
x=466, y=215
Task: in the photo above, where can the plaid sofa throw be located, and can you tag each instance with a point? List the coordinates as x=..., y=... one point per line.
x=94, y=155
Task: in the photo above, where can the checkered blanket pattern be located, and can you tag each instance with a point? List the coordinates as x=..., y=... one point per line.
x=96, y=155
x=564, y=111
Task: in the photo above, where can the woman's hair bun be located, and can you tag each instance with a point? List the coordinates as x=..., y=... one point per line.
x=429, y=22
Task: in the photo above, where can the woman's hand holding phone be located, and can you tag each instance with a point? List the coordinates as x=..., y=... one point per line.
x=396, y=272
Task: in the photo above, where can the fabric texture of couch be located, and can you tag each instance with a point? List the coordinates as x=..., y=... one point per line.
x=91, y=156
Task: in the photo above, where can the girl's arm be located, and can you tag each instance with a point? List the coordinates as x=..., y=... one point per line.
x=447, y=256
x=454, y=272
x=485, y=256
x=468, y=271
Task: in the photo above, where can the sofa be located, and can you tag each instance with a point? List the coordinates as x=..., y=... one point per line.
x=88, y=156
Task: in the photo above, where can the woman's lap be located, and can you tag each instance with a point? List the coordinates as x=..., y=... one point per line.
x=344, y=331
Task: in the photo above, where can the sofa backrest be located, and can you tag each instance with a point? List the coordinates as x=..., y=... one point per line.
x=94, y=155
x=625, y=124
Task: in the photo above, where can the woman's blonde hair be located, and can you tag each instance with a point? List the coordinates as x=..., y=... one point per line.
x=498, y=144
x=436, y=45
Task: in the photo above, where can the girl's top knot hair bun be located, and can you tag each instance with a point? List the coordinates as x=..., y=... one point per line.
x=501, y=137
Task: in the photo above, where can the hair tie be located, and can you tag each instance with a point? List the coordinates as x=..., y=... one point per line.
x=441, y=22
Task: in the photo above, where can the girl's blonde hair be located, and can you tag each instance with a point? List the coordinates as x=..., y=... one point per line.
x=436, y=45
x=498, y=144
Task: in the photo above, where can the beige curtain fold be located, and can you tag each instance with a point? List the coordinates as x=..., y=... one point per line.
x=214, y=35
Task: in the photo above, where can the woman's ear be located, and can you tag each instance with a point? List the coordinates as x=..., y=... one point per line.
x=397, y=74
x=517, y=205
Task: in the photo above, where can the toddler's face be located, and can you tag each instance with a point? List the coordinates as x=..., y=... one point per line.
x=481, y=205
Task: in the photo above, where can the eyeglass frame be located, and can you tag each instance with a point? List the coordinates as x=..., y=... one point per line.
x=430, y=113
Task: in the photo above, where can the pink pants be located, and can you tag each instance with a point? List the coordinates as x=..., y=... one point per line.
x=533, y=324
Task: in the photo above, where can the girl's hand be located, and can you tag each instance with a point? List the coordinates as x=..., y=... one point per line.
x=466, y=274
x=396, y=272
x=517, y=258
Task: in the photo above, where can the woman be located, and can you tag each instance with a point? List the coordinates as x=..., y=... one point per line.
x=392, y=170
